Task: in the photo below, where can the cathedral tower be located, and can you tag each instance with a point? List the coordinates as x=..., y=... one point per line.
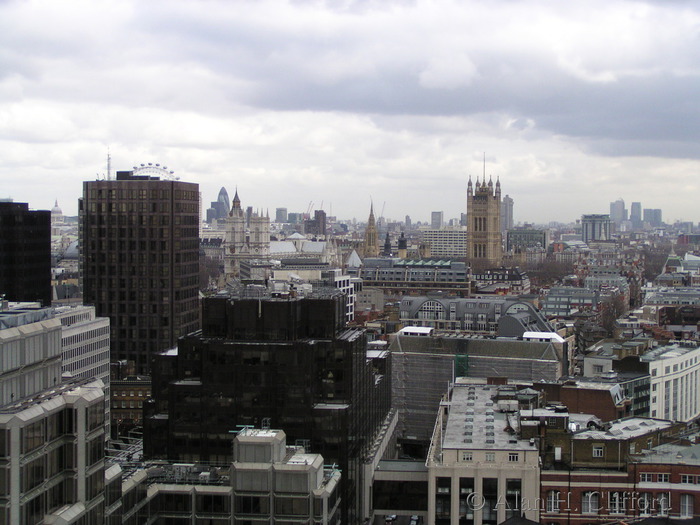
x=484, y=241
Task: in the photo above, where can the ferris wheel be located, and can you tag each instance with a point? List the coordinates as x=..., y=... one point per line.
x=157, y=170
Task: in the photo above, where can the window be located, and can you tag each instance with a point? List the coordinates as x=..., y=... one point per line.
x=663, y=478
x=645, y=504
x=598, y=451
x=513, y=457
x=617, y=502
x=467, y=456
x=597, y=369
x=663, y=500
x=490, y=457
x=646, y=477
x=687, y=478
x=553, y=501
x=589, y=502
x=687, y=505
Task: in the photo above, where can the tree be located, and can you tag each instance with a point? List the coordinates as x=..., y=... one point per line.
x=611, y=311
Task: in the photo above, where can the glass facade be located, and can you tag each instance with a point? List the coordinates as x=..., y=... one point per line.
x=287, y=363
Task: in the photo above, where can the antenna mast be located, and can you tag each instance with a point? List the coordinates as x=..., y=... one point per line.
x=109, y=165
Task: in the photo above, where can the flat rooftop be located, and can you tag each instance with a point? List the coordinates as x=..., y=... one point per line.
x=671, y=454
x=474, y=421
x=668, y=351
x=625, y=429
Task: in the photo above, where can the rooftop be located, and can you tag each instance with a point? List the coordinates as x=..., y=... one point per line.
x=72, y=386
x=474, y=421
x=23, y=315
x=675, y=454
x=669, y=351
x=625, y=429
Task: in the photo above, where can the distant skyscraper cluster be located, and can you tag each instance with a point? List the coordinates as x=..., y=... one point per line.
x=219, y=208
x=638, y=218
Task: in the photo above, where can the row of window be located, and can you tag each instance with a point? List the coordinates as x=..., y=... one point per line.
x=490, y=457
x=69, y=320
x=85, y=336
x=678, y=366
x=132, y=393
x=620, y=502
x=659, y=478
x=84, y=348
x=131, y=404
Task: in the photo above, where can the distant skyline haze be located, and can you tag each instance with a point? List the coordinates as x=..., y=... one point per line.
x=575, y=104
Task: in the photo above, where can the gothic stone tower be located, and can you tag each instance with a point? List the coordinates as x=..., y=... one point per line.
x=251, y=241
x=484, y=244
x=371, y=247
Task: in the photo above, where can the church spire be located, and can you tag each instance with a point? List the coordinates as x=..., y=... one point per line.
x=236, y=200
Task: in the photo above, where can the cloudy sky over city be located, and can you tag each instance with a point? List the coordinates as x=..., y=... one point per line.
x=335, y=104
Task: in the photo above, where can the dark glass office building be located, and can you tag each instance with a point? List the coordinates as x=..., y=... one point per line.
x=285, y=362
x=25, y=253
x=139, y=242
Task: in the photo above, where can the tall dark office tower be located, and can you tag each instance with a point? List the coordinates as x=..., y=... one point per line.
x=140, y=260
x=317, y=225
x=25, y=253
x=285, y=361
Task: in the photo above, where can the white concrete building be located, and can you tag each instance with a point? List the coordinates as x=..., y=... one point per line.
x=447, y=242
x=52, y=431
x=674, y=371
x=30, y=352
x=85, y=346
x=478, y=468
x=271, y=480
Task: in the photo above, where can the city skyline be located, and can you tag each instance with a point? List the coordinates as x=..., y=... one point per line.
x=343, y=103
x=449, y=222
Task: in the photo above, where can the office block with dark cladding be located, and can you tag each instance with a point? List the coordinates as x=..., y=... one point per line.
x=25, y=253
x=139, y=243
x=287, y=362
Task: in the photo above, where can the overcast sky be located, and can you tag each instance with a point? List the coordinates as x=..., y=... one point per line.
x=575, y=104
